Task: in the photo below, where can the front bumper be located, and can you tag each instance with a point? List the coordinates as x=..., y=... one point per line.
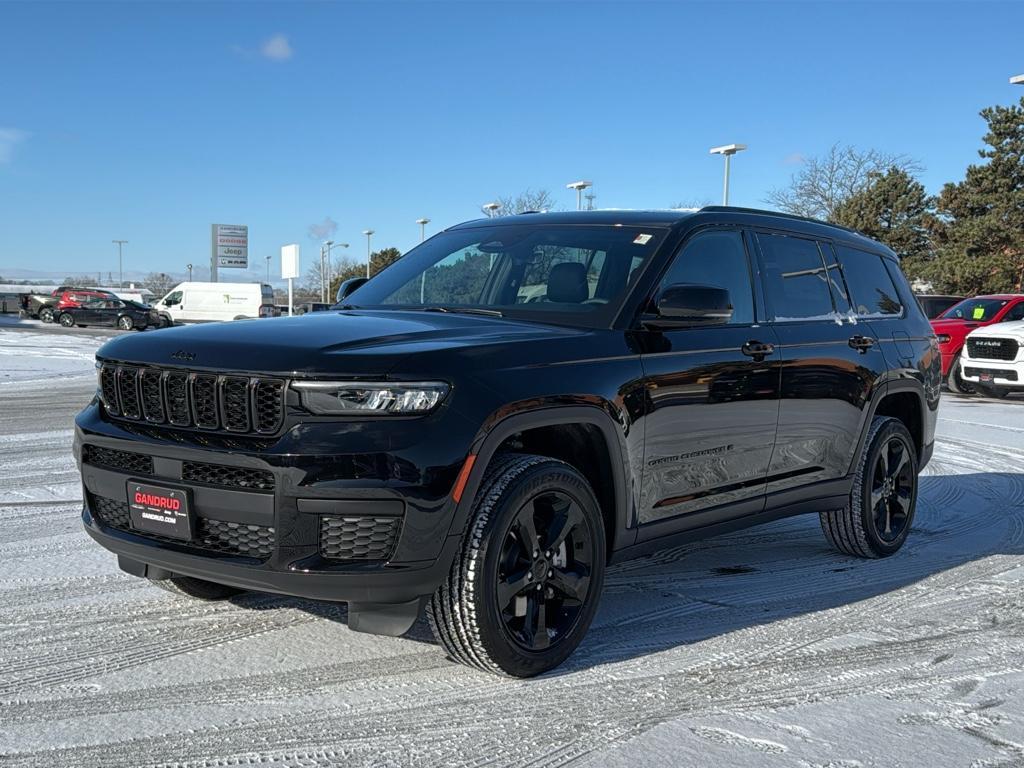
x=1000, y=373
x=361, y=527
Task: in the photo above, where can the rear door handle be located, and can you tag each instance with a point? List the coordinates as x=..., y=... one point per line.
x=861, y=343
x=757, y=350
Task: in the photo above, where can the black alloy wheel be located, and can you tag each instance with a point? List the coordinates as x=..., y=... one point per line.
x=892, y=489
x=544, y=570
x=526, y=583
x=880, y=512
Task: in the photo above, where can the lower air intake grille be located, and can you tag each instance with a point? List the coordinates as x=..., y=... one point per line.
x=255, y=541
x=231, y=477
x=124, y=461
x=358, y=538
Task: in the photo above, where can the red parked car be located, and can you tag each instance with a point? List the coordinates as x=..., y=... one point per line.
x=72, y=298
x=953, y=325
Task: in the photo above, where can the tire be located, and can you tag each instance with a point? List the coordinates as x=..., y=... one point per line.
x=66, y=320
x=878, y=518
x=46, y=314
x=165, y=322
x=955, y=383
x=465, y=612
x=125, y=323
x=197, y=589
x=989, y=390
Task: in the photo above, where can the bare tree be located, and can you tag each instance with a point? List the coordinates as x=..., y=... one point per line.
x=824, y=183
x=530, y=200
x=342, y=265
x=159, y=283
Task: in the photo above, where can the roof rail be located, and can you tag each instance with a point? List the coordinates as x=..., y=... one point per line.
x=736, y=209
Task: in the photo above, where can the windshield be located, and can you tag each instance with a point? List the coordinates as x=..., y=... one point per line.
x=975, y=309
x=562, y=274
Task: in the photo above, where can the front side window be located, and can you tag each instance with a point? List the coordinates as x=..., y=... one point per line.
x=717, y=259
x=571, y=274
x=796, y=279
x=872, y=292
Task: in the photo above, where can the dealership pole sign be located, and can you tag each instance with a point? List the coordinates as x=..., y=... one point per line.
x=230, y=247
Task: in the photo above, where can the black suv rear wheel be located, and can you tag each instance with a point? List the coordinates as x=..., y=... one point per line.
x=877, y=520
x=526, y=584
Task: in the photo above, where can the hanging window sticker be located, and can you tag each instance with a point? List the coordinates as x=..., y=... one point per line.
x=642, y=239
x=979, y=312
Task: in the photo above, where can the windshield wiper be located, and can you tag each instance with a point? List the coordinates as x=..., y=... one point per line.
x=464, y=311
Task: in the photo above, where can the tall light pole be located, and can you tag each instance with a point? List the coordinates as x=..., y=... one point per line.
x=423, y=275
x=369, y=234
x=579, y=186
x=1017, y=80
x=728, y=151
x=491, y=209
x=325, y=268
x=120, y=263
x=330, y=246
x=268, y=269
x=189, y=268
x=423, y=228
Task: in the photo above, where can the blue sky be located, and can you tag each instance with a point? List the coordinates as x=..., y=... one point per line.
x=149, y=121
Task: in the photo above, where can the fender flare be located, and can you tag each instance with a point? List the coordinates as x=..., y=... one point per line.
x=487, y=440
x=891, y=387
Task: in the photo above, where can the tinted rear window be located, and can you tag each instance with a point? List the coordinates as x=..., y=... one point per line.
x=871, y=288
x=796, y=279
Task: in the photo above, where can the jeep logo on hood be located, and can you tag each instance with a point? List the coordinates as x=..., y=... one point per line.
x=183, y=355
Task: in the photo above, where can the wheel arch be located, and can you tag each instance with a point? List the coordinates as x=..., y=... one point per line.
x=610, y=480
x=903, y=400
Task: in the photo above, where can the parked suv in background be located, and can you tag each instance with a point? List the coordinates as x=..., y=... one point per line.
x=516, y=403
x=955, y=323
x=993, y=359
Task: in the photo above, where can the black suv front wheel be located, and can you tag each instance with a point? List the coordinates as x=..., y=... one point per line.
x=526, y=584
x=877, y=520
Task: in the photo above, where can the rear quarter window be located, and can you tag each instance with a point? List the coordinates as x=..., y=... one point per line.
x=872, y=291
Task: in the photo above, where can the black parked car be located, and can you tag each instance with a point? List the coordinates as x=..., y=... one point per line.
x=485, y=425
x=118, y=313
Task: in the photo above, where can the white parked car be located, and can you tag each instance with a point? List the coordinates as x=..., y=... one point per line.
x=993, y=359
x=210, y=302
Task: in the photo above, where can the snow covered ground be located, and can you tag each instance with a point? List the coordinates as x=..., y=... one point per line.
x=762, y=648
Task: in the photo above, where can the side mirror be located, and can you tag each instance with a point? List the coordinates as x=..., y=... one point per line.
x=683, y=305
x=348, y=286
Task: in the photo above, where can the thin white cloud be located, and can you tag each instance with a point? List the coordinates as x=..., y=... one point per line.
x=796, y=158
x=277, y=48
x=323, y=230
x=9, y=139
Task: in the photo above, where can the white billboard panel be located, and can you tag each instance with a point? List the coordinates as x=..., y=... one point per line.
x=289, y=262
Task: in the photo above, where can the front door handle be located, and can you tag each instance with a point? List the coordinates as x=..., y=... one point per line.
x=861, y=343
x=757, y=350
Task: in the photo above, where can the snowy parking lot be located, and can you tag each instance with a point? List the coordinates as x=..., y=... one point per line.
x=760, y=648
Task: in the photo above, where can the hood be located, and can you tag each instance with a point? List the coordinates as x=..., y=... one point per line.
x=1012, y=330
x=953, y=324
x=355, y=342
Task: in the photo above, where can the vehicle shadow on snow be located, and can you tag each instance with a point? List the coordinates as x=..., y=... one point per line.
x=768, y=573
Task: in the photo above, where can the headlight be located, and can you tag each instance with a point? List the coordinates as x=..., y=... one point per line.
x=352, y=398
x=943, y=338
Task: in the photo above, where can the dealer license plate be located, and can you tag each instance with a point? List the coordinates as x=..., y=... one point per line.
x=160, y=509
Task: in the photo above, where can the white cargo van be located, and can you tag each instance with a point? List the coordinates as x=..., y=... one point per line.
x=210, y=302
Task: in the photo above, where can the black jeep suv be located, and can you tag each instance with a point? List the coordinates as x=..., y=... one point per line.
x=483, y=427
